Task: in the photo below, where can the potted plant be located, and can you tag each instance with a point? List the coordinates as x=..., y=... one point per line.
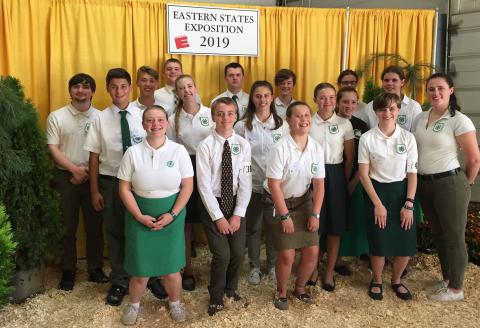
x=25, y=177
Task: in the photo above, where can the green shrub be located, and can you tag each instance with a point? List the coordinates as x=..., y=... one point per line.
x=370, y=91
x=7, y=250
x=25, y=177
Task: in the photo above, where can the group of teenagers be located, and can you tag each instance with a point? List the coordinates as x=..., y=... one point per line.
x=345, y=181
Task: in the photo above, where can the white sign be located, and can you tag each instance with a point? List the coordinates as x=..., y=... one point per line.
x=212, y=31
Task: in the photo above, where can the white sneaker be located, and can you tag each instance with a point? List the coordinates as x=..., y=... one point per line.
x=129, y=314
x=177, y=313
x=271, y=274
x=254, y=276
x=439, y=285
x=447, y=295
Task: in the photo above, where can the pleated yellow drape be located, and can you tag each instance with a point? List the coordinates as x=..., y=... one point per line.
x=408, y=33
x=45, y=42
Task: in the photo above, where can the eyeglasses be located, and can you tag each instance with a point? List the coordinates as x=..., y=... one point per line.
x=348, y=83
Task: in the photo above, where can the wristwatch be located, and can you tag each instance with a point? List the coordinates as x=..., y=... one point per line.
x=315, y=215
x=285, y=217
x=172, y=213
x=409, y=208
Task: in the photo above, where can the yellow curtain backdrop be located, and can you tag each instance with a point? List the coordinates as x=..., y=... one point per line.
x=408, y=33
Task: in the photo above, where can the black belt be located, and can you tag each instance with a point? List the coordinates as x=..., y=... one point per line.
x=107, y=177
x=436, y=176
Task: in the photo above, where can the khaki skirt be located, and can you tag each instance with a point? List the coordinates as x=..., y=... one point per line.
x=300, y=208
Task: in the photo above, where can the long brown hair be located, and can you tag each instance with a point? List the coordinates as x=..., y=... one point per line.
x=179, y=107
x=250, y=113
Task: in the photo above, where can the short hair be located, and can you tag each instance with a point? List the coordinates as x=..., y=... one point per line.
x=283, y=75
x=118, y=73
x=82, y=78
x=154, y=107
x=394, y=69
x=292, y=106
x=172, y=60
x=346, y=73
x=321, y=86
x=385, y=99
x=345, y=90
x=223, y=100
x=147, y=70
x=233, y=65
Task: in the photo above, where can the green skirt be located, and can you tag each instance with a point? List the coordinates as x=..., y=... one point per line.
x=154, y=253
x=354, y=242
x=393, y=240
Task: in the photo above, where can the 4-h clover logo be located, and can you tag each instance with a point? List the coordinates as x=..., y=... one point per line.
x=204, y=121
x=170, y=163
x=137, y=139
x=437, y=127
x=276, y=137
x=401, y=148
x=314, y=168
x=333, y=129
x=86, y=128
x=357, y=133
x=402, y=119
x=235, y=149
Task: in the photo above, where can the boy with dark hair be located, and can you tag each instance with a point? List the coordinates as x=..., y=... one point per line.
x=285, y=81
x=147, y=83
x=112, y=132
x=65, y=141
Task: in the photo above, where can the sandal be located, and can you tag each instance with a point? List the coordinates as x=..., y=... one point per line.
x=188, y=282
x=304, y=297
x=375, y=296
x=404, y=296
x=328, y=287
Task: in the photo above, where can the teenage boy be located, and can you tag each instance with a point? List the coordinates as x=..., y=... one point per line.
x=66, y=131
x=147, y=83
x=166, y=96
x=112, y=132
x=234, y=77
x=285, y=81
x=225, y=186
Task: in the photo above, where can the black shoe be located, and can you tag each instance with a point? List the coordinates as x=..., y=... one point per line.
x=115, y=295
x=404, y=296
x=214, y=308
x=343, y=270
x=375, y=296
x=157, y=288
x=328, y=287
x=98, y=276
x=188, y=282
x=68, y=280
x=311, y=283
x=234, y=296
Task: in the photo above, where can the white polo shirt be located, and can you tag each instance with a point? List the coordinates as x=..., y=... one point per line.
x=281, y=108
x=331, y=135
x=192, y=128
x=242, y=101
x=437, y=144
x=67, y=127
x=294, y=167
x=142, y=107
x=209, y=173
x=166, y=98
x=105, y=136
x=155, y=173
x=261, y=138
x=409, y=110
x=389, y=158
x=360, y=111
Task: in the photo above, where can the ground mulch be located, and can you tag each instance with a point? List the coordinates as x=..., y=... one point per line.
x=348, y=306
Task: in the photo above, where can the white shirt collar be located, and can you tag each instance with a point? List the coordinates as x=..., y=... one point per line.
x=395, y=134
x=76, y=112
x=330, y=120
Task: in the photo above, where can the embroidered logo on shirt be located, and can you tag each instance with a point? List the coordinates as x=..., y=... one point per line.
x=276, y=137
x=235, y=149
x=401, y=148
x=402, y=119
x=333, y=129
x=170, y=163
x=314, y=168
x=204, y=121
x=137, y=139
x=437, y=127
x=357, y=133
x=87, y=127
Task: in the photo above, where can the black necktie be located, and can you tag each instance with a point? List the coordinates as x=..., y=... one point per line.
x=126, y=141
x=226, y=203
x=235, y=98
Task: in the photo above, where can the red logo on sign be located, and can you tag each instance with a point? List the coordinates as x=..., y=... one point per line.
x=181, y=42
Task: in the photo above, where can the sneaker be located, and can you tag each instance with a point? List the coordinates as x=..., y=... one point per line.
x=439, y=285
x=254, y=276
x=447, y=295
x=271, y=274
x=280, y=303
x=129, y=314
x=177, y=313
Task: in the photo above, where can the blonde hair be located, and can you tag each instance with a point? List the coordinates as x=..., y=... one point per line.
x=180, y=101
